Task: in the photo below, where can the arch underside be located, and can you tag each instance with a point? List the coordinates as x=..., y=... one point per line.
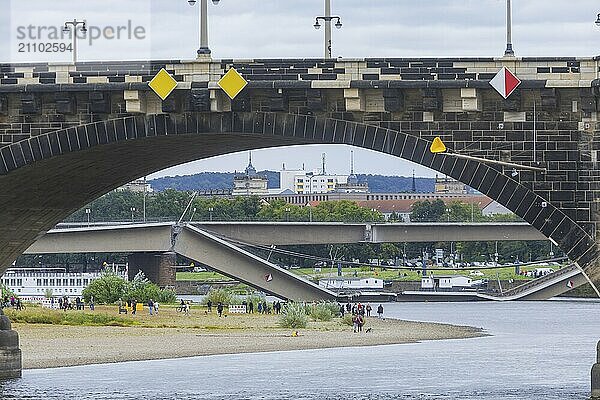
x=46, y=178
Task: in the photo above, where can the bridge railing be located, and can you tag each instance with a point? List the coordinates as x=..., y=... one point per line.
x=536, y=282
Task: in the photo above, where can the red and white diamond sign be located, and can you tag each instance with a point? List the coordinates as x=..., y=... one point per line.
x=505, y=82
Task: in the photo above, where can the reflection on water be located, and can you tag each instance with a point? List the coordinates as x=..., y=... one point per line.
x=539, y=350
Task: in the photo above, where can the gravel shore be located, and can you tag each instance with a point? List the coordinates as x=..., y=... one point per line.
x=46, y=346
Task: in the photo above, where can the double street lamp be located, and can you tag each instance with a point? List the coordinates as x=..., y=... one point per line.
x=327, y=18
x=203, y=50
x=67, y=29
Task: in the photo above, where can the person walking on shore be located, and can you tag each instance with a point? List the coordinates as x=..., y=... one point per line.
x=368, y=308
x=209, y=305
x=150, y=306
x=92, y=305
x=360, y=321
x=355, y=323
x=220, y=309
x=133, y=306
x=380, y=311
x=156, y=307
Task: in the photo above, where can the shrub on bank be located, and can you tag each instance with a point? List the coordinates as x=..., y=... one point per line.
x=347, y=320
x=293, y=315
x=222, y=296
x=322, y=312
x=109, y=288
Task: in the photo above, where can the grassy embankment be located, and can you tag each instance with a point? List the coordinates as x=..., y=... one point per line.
x=168, y=317
x=369, y=271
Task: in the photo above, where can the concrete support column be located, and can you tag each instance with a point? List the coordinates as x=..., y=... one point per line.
x=10, y=354
x=596, y=376
x=158, y=267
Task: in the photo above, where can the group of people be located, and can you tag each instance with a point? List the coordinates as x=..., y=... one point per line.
x=184, y=307
x=153, y=306
x=65, y=303
x=262, y=307
x=14, y=302
x=131, y=304
x=359, y=312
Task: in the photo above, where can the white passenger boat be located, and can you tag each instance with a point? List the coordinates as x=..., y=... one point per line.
x=35, y=284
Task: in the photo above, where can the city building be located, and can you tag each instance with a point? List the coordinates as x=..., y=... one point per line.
x=352, y=184
x=303, y=199
x=303, y=182
x=137, y=186
x=250, y=183
x=449, y=185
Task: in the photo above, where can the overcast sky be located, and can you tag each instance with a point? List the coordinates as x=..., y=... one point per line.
x=283, y=28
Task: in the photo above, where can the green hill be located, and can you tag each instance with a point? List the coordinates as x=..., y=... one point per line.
x=224, y=180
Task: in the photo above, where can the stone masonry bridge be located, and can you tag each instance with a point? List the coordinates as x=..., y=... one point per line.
x=70, y=133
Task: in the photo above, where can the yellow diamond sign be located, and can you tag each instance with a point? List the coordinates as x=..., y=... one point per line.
x=163, y=84
x=437, y=146
x=232, y=83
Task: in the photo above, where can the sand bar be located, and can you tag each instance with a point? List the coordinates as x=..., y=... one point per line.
x=47, y=346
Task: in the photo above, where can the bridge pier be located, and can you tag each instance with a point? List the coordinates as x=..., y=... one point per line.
x=158, y=267
x=10, y=354
x=596, y=376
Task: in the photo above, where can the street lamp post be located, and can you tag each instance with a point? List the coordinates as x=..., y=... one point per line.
x=144, y=202
x=327, y=19
x=509, y=50
x=132, y=211
x=88, y=212
x=496, y=255
x=210, y=213
x=67, y=29
x=287, y=214
x=448, y=213
x=309, y=212
x=203, y=50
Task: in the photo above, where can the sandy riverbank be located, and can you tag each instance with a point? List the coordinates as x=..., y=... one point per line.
x=46, y=346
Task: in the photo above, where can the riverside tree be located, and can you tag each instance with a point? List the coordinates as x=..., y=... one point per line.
x=109, y=288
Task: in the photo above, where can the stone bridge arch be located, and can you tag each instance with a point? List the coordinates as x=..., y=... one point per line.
x=47, y=177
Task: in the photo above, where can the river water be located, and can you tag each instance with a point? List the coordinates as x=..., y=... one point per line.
x=537, y=350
